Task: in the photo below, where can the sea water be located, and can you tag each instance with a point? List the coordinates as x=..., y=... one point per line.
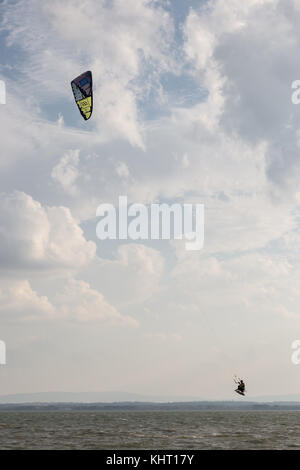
x=150, y=430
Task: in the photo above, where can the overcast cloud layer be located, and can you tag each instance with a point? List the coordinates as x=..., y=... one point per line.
x=192, y=103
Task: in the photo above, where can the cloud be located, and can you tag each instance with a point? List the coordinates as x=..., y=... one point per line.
x=33, y=237
x=235, y=149
x=133, y=276
x=75, y=302
x=79, y=302
x=19, y=302
x=66, y=172
x=122, y=170
x=164, y=336
x=120, y=42
x=250, y=85
x=246, y=291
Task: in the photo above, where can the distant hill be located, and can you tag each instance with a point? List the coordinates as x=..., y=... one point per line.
x=117, y=396
x=87, y=397
x=281, y=398
x=233, y=405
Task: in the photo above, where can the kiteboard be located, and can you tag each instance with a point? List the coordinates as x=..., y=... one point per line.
x=240, y=392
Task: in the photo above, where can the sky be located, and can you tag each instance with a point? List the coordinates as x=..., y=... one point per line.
x=192, y=104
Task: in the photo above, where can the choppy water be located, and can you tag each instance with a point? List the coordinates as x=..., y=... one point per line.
x=150, y=430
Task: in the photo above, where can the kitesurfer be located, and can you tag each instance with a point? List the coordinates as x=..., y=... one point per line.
x=241, y=386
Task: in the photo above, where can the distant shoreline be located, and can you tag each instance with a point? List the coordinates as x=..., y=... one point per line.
x=150, y=406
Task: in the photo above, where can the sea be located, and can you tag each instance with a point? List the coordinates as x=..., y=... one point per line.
x=151, y=430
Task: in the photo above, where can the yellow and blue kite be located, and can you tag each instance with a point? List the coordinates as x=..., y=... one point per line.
x=82, y=87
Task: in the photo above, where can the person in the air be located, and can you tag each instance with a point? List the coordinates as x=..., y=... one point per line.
x=241, y=386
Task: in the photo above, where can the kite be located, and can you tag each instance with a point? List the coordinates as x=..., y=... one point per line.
x=82, y=87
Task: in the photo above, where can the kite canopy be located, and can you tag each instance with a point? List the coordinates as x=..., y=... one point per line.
x=82, y=87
